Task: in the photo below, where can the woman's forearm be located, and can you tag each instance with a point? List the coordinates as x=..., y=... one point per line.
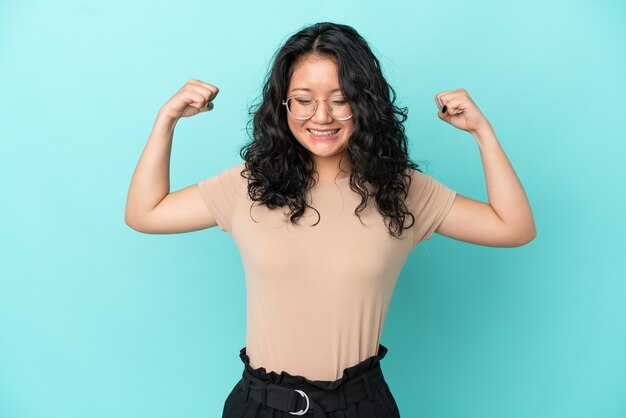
x=505, y=192
x=150, y=183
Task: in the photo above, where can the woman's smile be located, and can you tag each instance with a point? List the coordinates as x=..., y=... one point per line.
x=324, y=135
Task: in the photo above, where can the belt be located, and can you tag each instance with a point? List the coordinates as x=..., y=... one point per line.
x=299, y=402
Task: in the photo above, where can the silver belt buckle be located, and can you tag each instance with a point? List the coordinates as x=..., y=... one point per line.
x=302, y=411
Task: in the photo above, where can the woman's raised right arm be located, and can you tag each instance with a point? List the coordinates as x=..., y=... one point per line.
x=150, y=207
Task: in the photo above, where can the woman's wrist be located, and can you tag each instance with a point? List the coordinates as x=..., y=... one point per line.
x=485, y=136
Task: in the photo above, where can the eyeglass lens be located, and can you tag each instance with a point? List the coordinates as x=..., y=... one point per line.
x=304, y=107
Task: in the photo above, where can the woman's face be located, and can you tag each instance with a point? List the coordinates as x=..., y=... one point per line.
x=317, y=77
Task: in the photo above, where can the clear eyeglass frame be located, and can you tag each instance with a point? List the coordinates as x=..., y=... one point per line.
x=286, y=101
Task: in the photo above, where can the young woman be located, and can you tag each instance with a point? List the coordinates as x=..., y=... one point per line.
x=325, y=209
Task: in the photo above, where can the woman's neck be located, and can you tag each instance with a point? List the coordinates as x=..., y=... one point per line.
x=329, y=169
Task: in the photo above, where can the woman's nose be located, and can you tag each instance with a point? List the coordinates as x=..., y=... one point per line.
x=321, y=113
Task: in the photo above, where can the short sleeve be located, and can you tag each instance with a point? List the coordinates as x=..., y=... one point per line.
x=429, y=201
x=220, y=194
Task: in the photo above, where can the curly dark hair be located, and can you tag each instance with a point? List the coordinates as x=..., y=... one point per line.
x=279, y=168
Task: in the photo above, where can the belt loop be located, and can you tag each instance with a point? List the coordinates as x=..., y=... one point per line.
x=368, y=388
x=246, y=389
x=342, y=397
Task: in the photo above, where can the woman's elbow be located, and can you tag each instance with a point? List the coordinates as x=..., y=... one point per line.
x=524, y=238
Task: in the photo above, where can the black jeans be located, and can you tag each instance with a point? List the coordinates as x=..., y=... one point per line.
x=372, y=404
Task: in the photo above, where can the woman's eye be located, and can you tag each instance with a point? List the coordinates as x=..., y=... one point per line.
x=304, y=101
x=340, y=102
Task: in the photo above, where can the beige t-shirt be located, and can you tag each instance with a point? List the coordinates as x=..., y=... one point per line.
x=317, y=296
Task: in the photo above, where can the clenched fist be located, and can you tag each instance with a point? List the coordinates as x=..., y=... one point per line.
x=194, y=97
x=458, y=109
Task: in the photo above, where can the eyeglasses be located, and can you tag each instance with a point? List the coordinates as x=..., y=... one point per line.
x=304, y=107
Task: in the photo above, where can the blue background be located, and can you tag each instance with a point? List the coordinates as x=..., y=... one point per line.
x=98, y=320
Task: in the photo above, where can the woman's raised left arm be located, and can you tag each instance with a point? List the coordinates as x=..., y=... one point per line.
x=507, y=220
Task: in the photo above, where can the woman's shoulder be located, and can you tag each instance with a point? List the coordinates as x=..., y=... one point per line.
x=416, y=175
x=234, y=172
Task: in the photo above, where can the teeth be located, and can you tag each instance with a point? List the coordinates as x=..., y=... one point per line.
x=324, y=133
